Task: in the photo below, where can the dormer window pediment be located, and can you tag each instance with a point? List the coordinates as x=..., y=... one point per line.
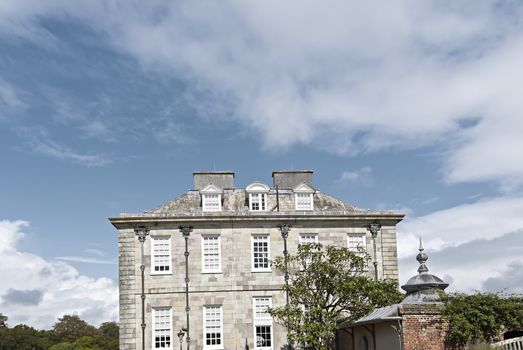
x=303, y=188
x=210, y=188
x=257, y=187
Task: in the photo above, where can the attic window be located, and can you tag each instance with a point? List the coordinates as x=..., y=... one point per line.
x=257, y=196
x=258, y=201
x=211, y=198
x=303, y=197
x=303, y=201
x=211, y=202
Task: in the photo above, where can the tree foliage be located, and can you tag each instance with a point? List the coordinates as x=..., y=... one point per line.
x=22, y=337
x=481, y=317
x=3, y=321
x=69, y=333
x=71, y=327
x=327, y=283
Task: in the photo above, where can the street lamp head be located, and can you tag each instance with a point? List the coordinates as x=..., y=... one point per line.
x=374, y=229
x=284, y=229
x=142, y=232
x=181, y=334
x=185, y=230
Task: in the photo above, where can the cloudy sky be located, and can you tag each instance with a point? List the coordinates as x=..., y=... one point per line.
x=108, y=107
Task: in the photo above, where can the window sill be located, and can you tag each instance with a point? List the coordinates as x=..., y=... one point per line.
x=161, y=273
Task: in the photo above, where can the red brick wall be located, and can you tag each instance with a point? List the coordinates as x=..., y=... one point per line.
x=423, y=327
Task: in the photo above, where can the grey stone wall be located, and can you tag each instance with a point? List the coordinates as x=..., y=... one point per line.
x=236, y=285
x=290, y=179
x=221, y=179
x=127, y=280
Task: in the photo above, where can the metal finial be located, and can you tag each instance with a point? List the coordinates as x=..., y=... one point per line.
x=422, y=258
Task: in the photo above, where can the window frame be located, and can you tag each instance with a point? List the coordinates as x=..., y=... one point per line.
x=304, y=194
x=307, y=262
x=204, y=318
x=363, y=243
x=205, y=202
x=169, y=259
x=204, y=269
x=301, y=240
x=363, y=253
x=262, y=201
x=155, y=330
x=262, y=322
x=253, y=239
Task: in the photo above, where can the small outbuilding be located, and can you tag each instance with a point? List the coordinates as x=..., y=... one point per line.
x=414, y=324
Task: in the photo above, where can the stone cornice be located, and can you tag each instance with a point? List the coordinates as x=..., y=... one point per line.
x=131, y=220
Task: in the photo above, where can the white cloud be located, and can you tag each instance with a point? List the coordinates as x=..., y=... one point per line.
x=85, y=260
x=349, y=77
x=474, y=243
x=362, y=176
x=94, y=251
x=172, y=132
x=39, y=141
x=56, y=287
x=482, y=264
x=485, y=219
x=99, y=130
x=9, y=96
x=52, y=149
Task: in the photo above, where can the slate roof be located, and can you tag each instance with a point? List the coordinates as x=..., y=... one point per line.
x=235, y=203
x=386, y=313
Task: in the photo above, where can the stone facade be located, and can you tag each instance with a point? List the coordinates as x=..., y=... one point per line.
x=234, y=287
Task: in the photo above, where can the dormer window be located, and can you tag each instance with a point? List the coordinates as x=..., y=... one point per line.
x=257, y=196
x=212, y=202
x=258, y=201
x=211, y=198
x=303, y=197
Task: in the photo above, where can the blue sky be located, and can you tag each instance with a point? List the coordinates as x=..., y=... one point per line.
x=109, y=106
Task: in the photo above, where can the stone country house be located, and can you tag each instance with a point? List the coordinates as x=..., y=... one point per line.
x=196, y=273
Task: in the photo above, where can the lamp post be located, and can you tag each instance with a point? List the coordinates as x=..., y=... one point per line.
x=284, y=229
x=186, y=232
x=374, y=228
x=180, y=337
x=142, y=233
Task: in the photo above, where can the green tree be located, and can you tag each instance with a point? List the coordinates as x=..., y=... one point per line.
x=327, y=283
x=22, y=337
x=3, y=321
x=108, y=336
x=71, y=327
x=481, y=317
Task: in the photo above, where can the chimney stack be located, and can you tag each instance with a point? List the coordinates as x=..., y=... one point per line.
x=221, y=179
x=290, y=179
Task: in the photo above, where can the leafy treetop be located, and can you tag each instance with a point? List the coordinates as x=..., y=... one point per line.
x=481, y=317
